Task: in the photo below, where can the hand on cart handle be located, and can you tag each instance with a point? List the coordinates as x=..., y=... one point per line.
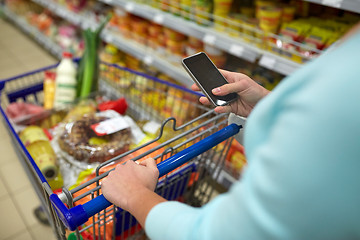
x=78, y=215
x=249, y=91
x=127, y=181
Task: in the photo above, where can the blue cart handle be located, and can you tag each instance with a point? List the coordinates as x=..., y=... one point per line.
x=78, y=215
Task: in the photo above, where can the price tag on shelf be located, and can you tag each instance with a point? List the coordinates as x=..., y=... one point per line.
x=148, y=60
x=236, y=50
x=209, y=39
x=159, y=19
x=268, y=62
x=332, y=3
x=129, y=7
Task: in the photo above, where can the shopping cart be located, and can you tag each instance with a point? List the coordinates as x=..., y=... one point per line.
x=189, y=147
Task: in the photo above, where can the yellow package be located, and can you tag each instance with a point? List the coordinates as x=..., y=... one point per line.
x=317, y=38
x=49, y=89
x=83, y=108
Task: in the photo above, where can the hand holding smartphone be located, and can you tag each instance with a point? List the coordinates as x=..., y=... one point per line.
x=206, y=75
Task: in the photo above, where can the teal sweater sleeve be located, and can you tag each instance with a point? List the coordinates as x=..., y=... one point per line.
x=303, y=178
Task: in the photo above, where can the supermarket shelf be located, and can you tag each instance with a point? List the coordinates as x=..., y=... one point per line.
x=350, y=5
x=229, y=44
x=43, y=40
x=279, y=64
x=136, y=50
x=60, y=11
x=148, y=56
x=188, y=28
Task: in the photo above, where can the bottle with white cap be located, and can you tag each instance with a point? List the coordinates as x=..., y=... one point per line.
x=65, y=91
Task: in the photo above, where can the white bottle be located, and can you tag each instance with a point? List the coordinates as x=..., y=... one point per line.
x=65, y=91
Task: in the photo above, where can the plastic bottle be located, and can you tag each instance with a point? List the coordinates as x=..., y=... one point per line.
x=65, y=92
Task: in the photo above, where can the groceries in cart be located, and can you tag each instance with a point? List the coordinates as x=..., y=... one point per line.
x=66, y=146
x=72, y=148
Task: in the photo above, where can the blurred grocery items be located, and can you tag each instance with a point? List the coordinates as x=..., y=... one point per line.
x=39, y=147
x=83, y=108
x=79, y=141
x=17, y=110
x=269, y=18
x=49, y=89
x=282, y=29
x=120, y=105
x=203, y=10
x=33, y=134
x=45, y=158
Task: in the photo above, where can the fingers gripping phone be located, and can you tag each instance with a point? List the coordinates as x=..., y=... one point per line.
x=206, y=75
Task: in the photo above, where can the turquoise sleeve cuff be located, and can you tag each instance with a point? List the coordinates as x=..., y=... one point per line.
x=161, y=220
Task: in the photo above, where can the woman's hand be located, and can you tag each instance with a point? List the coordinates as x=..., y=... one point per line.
x=126, y=185
x=250, y=93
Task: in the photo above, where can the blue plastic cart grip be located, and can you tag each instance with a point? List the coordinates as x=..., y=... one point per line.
x=80, y=214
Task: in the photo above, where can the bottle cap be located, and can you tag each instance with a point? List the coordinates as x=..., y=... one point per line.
x=49, y=75
x=67, y=55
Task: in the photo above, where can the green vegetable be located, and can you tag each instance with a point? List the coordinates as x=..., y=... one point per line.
x=88, y=72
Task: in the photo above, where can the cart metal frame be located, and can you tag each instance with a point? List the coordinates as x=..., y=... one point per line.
x=184, y=123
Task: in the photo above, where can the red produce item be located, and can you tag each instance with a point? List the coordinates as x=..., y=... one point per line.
x=120, y=105
x=19, y=109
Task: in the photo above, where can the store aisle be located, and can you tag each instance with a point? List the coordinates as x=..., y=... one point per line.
x=18, y=54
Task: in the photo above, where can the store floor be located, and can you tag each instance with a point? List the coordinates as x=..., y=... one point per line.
x=18, y=54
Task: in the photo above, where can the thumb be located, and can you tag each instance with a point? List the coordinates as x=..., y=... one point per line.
x=234, y=87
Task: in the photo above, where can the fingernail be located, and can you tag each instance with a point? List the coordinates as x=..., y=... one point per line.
x=216, y=90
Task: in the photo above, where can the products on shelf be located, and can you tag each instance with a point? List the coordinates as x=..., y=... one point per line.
x=264, y=77
x=314, y=34
x=203, y=10
x=57, y=29
x=265, y=23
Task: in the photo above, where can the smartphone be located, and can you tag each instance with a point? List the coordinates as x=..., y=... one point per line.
x=206, y=75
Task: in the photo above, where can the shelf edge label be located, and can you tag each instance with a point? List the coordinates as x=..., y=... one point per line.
x=148, y=60
x=268, y=62
x=236, y=50
x=159, y=19
x=209, y=39
x=332, y=3
x=129, y=7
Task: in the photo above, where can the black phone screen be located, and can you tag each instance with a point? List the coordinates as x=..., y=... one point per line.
x=207, y=75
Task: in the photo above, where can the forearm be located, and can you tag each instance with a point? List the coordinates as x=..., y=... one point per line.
x=142, y=202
